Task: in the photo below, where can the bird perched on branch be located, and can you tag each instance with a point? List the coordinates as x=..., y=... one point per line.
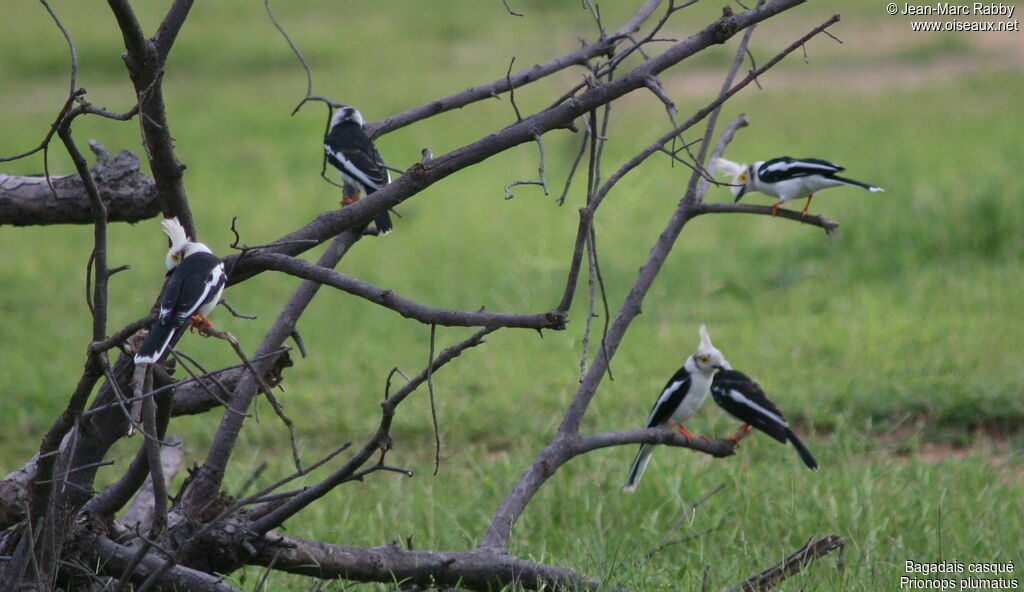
x=680, y=400
x=741, y=397
x=786, y=178
x=194, y=286
x=352, y=153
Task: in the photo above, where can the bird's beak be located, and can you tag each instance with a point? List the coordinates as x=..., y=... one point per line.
x=740, y=193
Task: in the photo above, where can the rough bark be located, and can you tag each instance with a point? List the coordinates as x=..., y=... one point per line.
x=130, y=195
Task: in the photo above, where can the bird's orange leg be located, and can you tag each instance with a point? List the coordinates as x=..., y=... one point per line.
x=744, y=430
x=807, y=205
x=351, y=199
x=775, y=208
x=201, y=323
x=685, y=432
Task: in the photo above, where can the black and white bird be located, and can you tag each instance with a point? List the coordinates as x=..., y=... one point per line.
x=193, y=288
x=350, y=150
x=741, y=397
x=786, y=178
x=679, y=400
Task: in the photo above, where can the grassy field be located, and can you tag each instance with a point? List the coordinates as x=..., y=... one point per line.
x=895, y=348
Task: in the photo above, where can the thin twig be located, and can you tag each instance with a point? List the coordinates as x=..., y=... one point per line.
x=512, y=90
x=264, y=388
x=302, y=60
x=509, y=9
x=433, y=404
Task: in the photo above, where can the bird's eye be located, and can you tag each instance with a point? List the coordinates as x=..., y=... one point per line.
x=703, y=359
x=742, y=178
x=176, y=256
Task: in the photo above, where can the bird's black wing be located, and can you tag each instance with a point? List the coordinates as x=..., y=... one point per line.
x=780, y=169
x=741, y=397
x=350, y=150
x=197, y=279
x=194, y=282
x=670, y=398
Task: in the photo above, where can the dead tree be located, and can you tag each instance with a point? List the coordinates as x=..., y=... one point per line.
x=56, y=531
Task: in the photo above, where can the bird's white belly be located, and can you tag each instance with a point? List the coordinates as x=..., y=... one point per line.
x=699, y=389
x=207, y=308
x=799, y=187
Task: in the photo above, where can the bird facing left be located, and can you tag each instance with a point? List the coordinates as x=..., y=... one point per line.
x=195, y=283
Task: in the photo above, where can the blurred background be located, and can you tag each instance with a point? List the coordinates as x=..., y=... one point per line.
x=895, y=349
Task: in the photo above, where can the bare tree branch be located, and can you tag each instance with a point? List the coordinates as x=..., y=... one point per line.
x=830, y=227
x=145, y=60
x=111, y=559
x=275, y=516
x=404, y=306
x=142, y=510
x=480, y=569
x=127, y=193
x=522, y=77
x=791, y=565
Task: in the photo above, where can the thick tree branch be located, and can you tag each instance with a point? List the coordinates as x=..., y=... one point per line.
x=404, y=306
x=170, y=26
x=141, y=512
x=145, y=61
x=128, y=194
x=111, y=559
x=512, y=81
x=480, y=569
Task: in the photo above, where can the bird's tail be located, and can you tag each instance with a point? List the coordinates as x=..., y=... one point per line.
x=856, y=183
x=805, y=454
x=639, y=466
x=383, y=223
x=161, y=338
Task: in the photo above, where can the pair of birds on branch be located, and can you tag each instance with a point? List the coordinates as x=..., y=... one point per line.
x=196, y=277
x=708, y=372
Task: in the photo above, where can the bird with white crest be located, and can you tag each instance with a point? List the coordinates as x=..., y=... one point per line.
x=679, y=400
x=194, y=286
x=785, y=178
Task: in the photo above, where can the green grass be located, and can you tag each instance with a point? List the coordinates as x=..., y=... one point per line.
x=897, y=339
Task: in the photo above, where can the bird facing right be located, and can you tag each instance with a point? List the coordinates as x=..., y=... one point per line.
x=741, y=397
x=679, y=400
x=352, y=153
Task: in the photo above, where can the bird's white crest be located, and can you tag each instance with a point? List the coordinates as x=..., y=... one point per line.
x=176, y=232
x=707, y=359
x=705, y=339
x=727, y=167
x=179, y=242
x=731, y=169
